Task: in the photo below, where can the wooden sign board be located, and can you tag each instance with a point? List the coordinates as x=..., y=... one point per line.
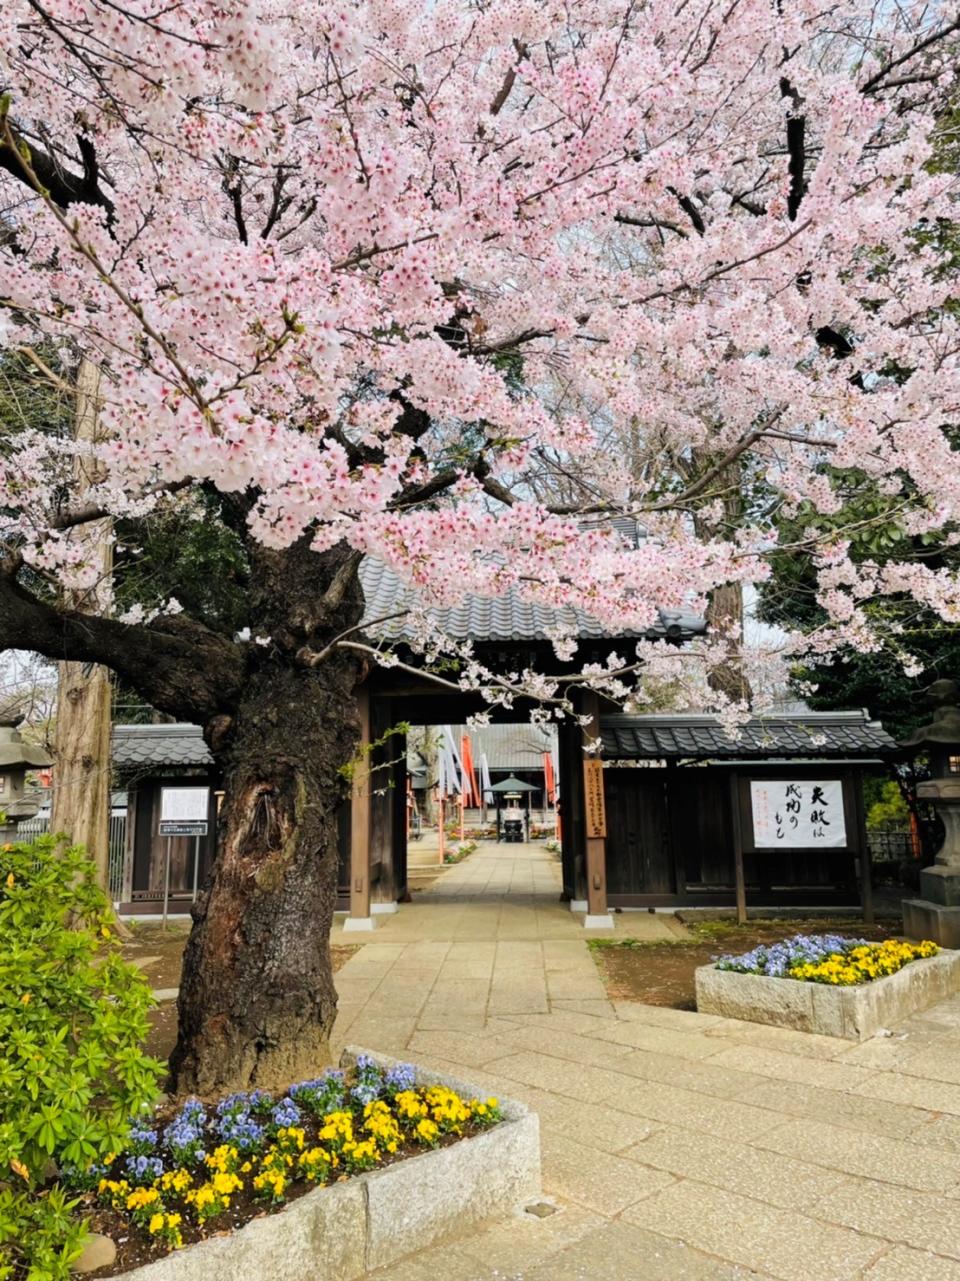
x=596, y=811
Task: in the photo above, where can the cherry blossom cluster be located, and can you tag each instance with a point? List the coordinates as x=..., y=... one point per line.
x=582, y=240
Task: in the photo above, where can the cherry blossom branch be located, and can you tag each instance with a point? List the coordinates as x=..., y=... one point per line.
x=88, y=252
x=935, y=36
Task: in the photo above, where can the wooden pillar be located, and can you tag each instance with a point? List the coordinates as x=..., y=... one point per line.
x=737, y=831
x=360, y=917
x=855, y=781
x=595, y=826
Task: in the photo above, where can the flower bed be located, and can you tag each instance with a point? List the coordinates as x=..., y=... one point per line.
x=828, y=958
x=842, y=987
x=194, y=1173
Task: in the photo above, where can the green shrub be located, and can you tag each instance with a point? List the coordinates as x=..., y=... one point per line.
x=73, y=1017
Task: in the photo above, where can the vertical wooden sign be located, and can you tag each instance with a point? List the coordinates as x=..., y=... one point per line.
x=596, y=811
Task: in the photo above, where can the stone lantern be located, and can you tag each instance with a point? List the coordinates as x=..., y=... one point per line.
x=16, y=757
x=936, y=914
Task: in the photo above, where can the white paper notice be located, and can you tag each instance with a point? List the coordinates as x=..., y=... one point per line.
x=184, y=804
x=797, y=814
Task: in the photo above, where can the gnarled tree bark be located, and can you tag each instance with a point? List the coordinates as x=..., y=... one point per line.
x=257, y=1000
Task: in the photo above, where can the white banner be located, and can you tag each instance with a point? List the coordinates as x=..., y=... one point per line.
x=797, y=814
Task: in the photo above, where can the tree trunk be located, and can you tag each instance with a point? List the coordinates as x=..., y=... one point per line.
x=257, y=1001
x=81, y=744
x=81, y=777
x=725, y=614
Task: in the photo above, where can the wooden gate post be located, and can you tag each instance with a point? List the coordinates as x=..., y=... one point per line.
x=595, y=826
x=360, y=917
x=737, y=830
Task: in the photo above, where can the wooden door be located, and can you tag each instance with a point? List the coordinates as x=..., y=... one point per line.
x=639, y=858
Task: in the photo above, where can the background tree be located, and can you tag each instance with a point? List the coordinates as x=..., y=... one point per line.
x=307, y=250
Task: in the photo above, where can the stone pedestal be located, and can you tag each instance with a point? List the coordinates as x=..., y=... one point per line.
x=936, y=913
x=925, y=920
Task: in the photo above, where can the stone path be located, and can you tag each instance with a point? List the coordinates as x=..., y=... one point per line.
x=676, y=1146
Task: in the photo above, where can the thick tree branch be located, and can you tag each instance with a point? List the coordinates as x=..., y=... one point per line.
x=64, y=188
x=177, y=664
x=691, y=210
x=662, y=224
x=796, y=149
x=342, y=581
x=503, y=93
x=71, y=517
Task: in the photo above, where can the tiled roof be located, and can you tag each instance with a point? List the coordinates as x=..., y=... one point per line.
x=503, y=618
x=139, y=745
x=806, y=735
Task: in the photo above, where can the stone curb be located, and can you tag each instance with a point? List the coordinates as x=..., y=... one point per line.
x=341, y=1232
x=852, y=1013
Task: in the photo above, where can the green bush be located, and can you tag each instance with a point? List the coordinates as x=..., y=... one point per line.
x=73, y=1017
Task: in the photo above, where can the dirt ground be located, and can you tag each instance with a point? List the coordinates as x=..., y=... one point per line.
x=158, y=953
x=662, y=973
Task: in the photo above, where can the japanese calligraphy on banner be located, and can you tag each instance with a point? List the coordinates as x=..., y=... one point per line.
x=797, y=814
x=596, y=815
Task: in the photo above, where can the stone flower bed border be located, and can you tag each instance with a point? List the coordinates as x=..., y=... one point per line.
x=854, y=1013
x=344, y=1230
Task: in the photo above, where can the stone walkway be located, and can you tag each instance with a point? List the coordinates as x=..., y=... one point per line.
x=676, y=1146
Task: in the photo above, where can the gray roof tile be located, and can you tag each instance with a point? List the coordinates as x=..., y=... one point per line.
x=504, y=618
x=805, y=735
x=136, y=746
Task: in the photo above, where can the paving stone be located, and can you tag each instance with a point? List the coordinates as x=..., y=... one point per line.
x=783, y=1243
x=665, y=1016
x=606, y=1129
x=597, y=1009
x=466, y=992
x=724, y=1118
x=702, y=1076
x=901, y=1264
x=462, y=1047
x=624, y=1252
x=807, y=1045
x=569, y=1046
x=563, y=1018
x=940, y=1132
x=442, y=1019
x=603, y=1183
x=897, y=1087
x=765, y=1176
x=667, y=1040
x=847, y=1111
x=790, y=1067
x=567, y=954
x=571, y=1079
x=515, y=1245
x=447, y=1262
x=378, y=1033
x=505, y=999
x=869, y=1155
x=566, y=986
x=919, y=1219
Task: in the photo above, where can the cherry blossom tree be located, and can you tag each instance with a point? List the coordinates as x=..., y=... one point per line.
x=381, y=280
